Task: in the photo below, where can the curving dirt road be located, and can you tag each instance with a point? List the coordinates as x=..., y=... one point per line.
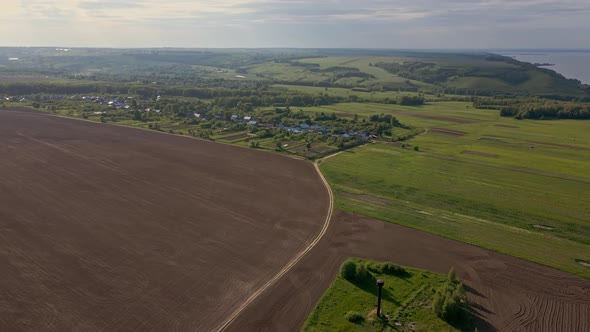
x=105, y=228
x=110, y=228
x=508, y=294
x=295, y=259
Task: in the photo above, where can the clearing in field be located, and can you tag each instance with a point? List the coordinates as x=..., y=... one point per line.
x=407, y=300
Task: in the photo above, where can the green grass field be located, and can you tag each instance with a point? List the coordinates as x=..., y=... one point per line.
x=407, y=299
x=362, y=63
x=517, y=187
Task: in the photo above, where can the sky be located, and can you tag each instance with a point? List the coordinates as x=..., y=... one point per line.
x=429, y=24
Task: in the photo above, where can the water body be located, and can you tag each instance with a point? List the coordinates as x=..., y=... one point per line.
x=568, y=63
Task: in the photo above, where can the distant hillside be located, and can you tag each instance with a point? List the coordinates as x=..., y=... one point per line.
x=487, y=75
x=483, y=74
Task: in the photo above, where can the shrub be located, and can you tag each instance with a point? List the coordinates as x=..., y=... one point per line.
x=361, y=272
x=388, y=268
x=355, y=272
x=354, y=317
x=348, y=270
x=450, y=301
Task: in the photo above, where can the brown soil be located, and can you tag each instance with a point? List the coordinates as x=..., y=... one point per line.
x=481, y=154
x=322, y=149
x=309, y=154
x=301, y=147
x=450, y=119
x=316, y=148
x=291, y=144
x=447, y=132
x=506, y=126
x=110, y=228
x=235, y=137
x=507, y=293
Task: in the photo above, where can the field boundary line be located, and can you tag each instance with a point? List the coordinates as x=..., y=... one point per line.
x=295, y=259
x=150, y=131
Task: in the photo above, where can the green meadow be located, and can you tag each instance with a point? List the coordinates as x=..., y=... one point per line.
x=406, y=299
x=517, y=187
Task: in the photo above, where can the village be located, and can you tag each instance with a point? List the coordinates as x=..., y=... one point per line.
x=206, y=121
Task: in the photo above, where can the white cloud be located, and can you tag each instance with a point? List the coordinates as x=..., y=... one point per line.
x=288, y=22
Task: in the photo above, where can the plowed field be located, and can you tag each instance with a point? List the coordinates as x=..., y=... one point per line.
x=111, y=228
x=506, y=293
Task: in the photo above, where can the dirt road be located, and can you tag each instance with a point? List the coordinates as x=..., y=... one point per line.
x=507, y=293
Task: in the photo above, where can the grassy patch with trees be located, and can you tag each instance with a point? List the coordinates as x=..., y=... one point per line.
x=410, y=297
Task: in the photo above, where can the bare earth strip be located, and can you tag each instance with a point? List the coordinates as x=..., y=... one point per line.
x=451, y=119
x=104, y=228
x=508, y=294
x=450, y=132
x=573, y=147
x=481, y=154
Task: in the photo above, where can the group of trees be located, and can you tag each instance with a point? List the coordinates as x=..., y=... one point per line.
x=407, y=100
x=450, y=301
x=360, y=272
x=353, y=272
x=218, y=96
x=536, y=108
x=435, y=74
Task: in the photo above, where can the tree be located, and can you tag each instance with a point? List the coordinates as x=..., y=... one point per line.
x=348, y=270
x=451, y=276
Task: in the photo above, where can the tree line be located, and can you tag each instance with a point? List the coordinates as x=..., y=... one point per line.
x=535, y=108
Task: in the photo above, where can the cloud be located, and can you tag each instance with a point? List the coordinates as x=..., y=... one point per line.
x=110, y=4
x=342, y=23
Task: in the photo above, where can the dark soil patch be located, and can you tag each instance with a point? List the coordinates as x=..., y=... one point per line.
x=450, y=119
x=107, y=228
x=323, y=149
x=301, y=147
x=506, y=126
x=481, y=154
x=290, y=145
x=310, y=154
x=236, y=137
x=448, y=132
x=176, y=127
x=505, y=293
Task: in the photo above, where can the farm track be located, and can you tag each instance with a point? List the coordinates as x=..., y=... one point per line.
x=138, y=261
x=506, y=293
x=106, y=228
x=295, y=259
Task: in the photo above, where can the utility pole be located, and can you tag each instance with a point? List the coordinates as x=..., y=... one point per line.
x=380, y=284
